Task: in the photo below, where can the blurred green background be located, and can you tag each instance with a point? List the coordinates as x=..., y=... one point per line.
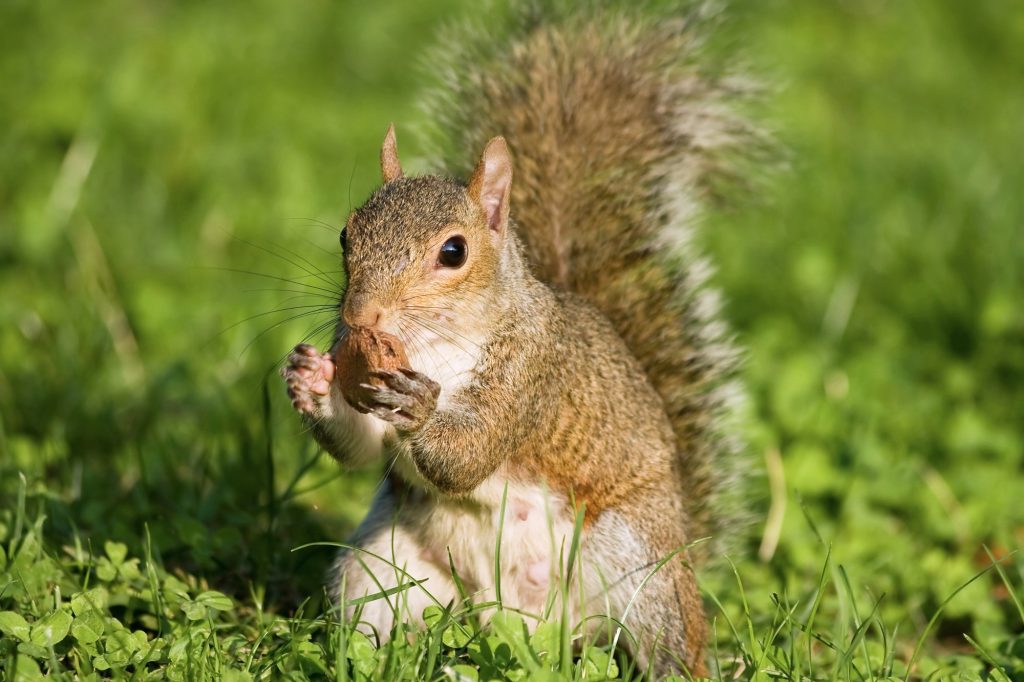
x=163, y=164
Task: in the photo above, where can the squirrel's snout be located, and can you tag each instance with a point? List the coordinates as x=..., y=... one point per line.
x=362, y=311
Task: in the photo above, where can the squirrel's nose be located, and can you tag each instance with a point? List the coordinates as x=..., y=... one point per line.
x=361, y=311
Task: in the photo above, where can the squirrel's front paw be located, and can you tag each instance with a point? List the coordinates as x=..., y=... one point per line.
x=308, y=375
x=406, y=401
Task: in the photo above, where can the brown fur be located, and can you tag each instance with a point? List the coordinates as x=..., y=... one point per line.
x=557, y=398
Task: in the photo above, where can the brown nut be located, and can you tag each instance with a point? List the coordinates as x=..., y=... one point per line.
x=361, y=352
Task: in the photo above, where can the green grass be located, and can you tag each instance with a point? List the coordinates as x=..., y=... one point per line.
x=159, y=503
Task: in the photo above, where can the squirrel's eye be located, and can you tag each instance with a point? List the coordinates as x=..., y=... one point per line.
x=453, y=252
x=342, y=240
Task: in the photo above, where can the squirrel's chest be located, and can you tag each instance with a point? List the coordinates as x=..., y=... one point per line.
x=446, y=358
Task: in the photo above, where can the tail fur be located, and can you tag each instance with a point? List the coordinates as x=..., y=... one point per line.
x=618, y=135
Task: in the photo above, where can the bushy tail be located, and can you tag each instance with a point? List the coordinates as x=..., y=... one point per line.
x=617, y=136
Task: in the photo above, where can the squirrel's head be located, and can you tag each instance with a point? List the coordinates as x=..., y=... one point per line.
x=424, y=252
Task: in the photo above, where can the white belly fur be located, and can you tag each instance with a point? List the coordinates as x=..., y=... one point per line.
x=535, y=530
x=536, y=534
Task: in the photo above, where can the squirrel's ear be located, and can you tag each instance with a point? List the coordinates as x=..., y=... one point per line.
x=390, y=166
x=491, y=183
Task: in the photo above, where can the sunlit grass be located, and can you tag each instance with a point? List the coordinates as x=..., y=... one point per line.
x=155, y=488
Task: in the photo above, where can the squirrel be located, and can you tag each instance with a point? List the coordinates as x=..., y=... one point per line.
x=565, y=351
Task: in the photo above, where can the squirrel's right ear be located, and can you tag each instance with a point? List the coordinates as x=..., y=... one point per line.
x=390, y=166
x=491, y=184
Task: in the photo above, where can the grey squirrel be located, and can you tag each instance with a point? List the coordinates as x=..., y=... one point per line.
x=564, y=351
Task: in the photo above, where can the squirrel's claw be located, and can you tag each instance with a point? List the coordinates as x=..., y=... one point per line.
x=409, y=381
x=406, y=400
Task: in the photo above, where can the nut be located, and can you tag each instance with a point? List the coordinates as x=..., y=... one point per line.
x=361, y=352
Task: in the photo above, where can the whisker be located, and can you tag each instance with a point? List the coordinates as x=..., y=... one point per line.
x=316, y=222
x=407, y=338
x=419, y=296
x=425, y=327
x=334, y=292
x=290, y=291
x=315, y=309
x=318, y=330
x=320, y=274
x=443, y=331
x=275, y=326
x=415, y=339
x=426, y=307
x=433, y=353
x=330, y=253
x=315, y=272
x=341, y=330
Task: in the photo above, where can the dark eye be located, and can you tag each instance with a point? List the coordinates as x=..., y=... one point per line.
x=342, y=240
x=453, y=252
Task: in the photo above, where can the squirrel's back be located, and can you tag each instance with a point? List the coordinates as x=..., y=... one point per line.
x=618, y=135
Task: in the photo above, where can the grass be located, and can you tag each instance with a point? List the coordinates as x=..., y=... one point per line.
x=160, y=506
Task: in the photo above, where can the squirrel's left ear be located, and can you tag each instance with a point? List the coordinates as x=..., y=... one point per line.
x=390, y=166
x=491, y=184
